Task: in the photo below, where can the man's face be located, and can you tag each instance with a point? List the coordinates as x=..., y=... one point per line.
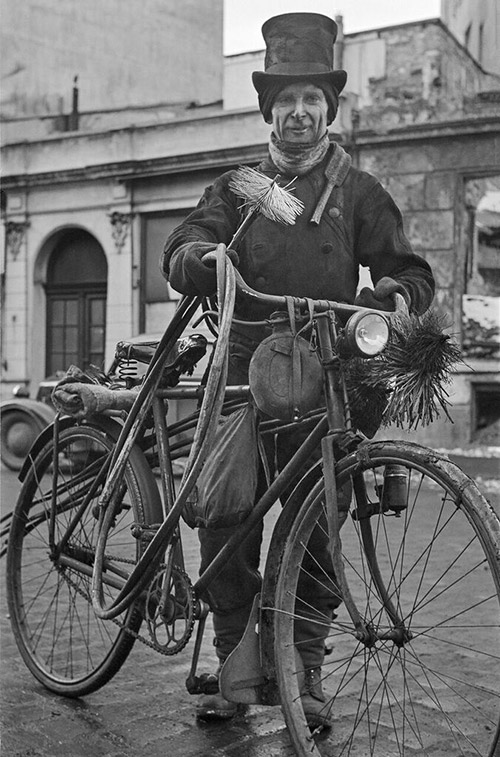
x=299, y=113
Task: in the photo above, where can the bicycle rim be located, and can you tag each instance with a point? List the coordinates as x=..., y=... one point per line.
x=66, y=647
x=436, y=690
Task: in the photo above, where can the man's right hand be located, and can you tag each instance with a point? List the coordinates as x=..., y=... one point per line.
x=201, y=273
x=195, y=271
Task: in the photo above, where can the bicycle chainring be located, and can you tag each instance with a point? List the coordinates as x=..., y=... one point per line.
x=170, y=610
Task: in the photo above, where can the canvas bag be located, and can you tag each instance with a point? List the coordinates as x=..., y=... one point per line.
x=224, y=493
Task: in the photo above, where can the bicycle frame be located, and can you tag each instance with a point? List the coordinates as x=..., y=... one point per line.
x=333, y=428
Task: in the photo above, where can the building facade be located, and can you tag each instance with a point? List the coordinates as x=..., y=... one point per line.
x=476, y=24
x=90, y=193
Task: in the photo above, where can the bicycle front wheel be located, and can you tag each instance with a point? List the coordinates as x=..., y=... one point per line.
x=424, y=574
x=65, y=646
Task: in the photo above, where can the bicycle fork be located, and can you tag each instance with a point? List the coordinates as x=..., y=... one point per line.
x=333, y=521
x=339, y=431
x=366, y=634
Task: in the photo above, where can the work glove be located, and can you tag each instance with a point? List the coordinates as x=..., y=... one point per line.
x=202, y=273
x=381, y=297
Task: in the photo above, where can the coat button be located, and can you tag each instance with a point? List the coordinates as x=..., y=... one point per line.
x=327, y=248
x=334, y=212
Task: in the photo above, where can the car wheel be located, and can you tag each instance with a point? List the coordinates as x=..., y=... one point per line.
x=18, y=431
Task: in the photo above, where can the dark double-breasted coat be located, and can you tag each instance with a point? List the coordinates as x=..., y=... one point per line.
x=360, y=226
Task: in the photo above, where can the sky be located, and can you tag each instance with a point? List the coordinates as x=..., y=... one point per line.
x=243, y=19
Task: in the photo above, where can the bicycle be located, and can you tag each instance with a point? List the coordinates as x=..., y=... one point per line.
x=413, y=661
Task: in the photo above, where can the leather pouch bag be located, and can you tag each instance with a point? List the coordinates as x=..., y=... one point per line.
x=285, y=374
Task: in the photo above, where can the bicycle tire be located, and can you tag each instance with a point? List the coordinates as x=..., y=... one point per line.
x=63, y=643
x=439, y=562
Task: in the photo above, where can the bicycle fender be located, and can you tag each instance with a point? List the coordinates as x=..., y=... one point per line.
x=108, y=425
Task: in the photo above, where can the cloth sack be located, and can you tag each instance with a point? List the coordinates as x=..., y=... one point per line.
x=82, y=394
x=83, y=400
x=224, y=493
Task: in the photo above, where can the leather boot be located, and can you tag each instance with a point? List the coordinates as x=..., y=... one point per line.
x=215, y=706
x=316, y=710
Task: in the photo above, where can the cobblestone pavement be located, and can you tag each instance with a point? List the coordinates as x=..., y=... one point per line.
x=144, y=710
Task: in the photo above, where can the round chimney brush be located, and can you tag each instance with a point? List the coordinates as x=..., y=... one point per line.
x=264, y=195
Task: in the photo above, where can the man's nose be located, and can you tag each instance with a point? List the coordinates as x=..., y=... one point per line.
x=299, y=109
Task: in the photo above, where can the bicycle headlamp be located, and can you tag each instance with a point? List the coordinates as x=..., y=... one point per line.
x=366, y=334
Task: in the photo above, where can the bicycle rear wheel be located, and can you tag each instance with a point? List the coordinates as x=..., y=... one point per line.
x=428, y=581
x=65, y=646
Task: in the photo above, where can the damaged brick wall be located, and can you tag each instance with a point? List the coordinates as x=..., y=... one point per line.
x=428, y=78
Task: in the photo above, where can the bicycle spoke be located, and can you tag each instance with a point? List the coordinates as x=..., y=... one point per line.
x=423, y=676
x=64, y=644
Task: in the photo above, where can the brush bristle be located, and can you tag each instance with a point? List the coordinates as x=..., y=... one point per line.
x=262, y=194
x=406, y=384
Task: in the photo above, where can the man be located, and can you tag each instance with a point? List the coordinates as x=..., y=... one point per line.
x=348, y=220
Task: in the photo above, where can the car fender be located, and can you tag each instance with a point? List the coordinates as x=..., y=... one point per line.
x=37, y=410
x=22, y=421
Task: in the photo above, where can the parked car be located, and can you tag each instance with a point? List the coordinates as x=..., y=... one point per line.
x=22, y=419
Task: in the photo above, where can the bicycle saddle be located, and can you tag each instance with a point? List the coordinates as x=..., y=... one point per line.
x=182, y=358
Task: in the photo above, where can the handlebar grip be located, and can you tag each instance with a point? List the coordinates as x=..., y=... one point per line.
x=209, y=257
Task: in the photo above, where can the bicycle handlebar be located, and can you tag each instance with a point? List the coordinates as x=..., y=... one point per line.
x=280, y=301
x=320, y=306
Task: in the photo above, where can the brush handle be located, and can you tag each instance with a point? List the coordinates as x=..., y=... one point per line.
x=238, y=235
x=243, y=228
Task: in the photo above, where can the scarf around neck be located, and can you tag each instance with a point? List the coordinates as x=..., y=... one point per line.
x=295, y=159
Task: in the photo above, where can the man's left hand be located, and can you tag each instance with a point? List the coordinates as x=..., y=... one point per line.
x=381, y=297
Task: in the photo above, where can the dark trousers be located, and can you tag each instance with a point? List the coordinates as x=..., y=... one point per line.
x=231, y=594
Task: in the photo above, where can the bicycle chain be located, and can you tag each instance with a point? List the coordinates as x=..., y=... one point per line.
x=137, y=636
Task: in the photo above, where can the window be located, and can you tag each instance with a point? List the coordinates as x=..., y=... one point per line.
x=486, y=412
x=156, y=229
x=76, y=303
x=467, y=36
x=481, y=299
x=480, y=42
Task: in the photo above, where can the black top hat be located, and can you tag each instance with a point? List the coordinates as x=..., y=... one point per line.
x=299, y=46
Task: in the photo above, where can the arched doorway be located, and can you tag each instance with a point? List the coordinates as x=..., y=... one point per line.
x=76, y=287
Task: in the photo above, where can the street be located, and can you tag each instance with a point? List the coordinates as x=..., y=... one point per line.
x=145, y=709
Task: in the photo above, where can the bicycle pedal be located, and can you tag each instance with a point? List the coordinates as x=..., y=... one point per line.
x=207, y=683
x=145, y=533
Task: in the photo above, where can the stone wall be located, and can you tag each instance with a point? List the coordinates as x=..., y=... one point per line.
x=427, y=178
x=427, y=78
